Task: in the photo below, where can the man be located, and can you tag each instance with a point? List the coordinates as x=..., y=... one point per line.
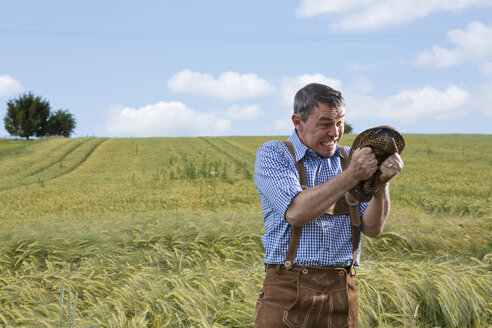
x=317, y=289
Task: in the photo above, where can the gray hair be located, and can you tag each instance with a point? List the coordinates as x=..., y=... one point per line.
x=311, y=95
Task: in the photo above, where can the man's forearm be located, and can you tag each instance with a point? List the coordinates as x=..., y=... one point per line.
x=313, y=202
x=377, y=212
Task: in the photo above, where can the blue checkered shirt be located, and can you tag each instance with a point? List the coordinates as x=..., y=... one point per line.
x=326, y=240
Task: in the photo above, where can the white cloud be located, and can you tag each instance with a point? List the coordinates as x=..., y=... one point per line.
x=412, y=105
x=439, y=56
x=309, y=8
x=470, y=45
x=251, y=112
x=415, y=107
x=375, y=14
x=166, y=119
x=290, y=85
x=9, y=86
x=228, y=86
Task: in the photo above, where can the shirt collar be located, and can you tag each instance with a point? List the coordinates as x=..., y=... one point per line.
x=301, y=150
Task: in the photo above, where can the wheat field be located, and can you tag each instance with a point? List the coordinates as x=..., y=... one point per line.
x=165, y=232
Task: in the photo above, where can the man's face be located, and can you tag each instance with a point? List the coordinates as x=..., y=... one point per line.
x=322, y=130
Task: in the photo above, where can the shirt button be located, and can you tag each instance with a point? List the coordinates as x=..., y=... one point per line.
x=325, y=226
x=326, y=249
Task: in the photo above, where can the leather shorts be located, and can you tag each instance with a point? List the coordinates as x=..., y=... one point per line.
x=307, y=297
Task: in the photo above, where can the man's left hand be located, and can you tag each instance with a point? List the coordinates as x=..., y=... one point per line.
x=390, y=168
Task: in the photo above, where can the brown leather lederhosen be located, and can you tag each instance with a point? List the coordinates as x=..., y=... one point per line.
x=296, y=296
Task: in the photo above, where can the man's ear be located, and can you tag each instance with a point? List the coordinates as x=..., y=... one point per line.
x=297, y=120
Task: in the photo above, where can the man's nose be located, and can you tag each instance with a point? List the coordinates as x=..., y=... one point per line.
x=333, y=131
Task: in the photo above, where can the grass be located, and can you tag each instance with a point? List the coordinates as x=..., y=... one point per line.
x=165, y=232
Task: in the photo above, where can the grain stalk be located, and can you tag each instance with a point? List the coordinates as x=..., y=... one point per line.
x=71, y=305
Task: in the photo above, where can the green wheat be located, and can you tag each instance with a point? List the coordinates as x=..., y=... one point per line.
x=165, y=232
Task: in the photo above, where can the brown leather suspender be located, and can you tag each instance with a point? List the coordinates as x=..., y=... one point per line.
x=297, y=231
x=340, y=207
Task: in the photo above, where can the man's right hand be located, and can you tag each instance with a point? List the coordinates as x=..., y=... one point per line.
x=363, y=164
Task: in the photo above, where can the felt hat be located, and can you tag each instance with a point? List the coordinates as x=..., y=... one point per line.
x=384, y=141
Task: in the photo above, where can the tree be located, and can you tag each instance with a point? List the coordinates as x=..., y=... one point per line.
x=61, y=123
x=27, y=116
x=348, y=128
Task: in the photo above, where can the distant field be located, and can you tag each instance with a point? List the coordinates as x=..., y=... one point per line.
x=165, y=232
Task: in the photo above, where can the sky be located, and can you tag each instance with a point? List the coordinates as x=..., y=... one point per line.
x=232, y=68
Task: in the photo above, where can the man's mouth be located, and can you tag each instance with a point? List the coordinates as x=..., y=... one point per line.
x=328, y=143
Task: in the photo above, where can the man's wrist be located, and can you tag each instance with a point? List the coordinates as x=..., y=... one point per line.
x=352, y=180
x=383, y=189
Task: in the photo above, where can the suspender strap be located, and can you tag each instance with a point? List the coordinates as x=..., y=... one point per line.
x=340, y=207
x=299, y=165
x=354, y=218
x=297, y=231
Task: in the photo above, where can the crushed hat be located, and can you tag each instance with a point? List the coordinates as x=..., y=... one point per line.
x=384, y=141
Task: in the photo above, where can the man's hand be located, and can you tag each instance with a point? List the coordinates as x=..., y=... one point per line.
x=390, y=168
x=378, y=209
x=363, y=164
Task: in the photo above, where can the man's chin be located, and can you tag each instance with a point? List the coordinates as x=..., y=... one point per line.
x=327, y=151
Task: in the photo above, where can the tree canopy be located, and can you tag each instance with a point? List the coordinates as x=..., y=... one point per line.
x=348, y=128
x=29, y=116
x=61, y=123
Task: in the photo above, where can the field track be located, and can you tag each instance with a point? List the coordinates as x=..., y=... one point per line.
x=76, y=154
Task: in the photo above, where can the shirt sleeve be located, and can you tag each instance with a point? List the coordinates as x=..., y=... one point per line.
x=276, y=176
